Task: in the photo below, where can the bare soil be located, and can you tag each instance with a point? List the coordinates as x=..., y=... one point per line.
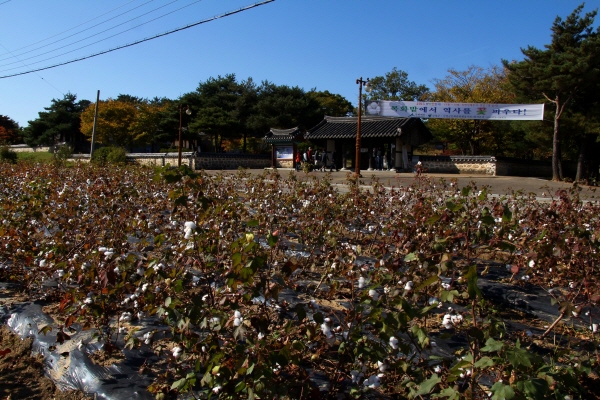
x=22, y=375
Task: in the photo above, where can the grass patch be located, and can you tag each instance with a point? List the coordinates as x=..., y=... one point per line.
x=36, y=156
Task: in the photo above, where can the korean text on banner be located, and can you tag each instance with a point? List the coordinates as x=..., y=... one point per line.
x=422, y=109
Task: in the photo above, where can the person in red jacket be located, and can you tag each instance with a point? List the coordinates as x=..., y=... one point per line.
x=298, y=161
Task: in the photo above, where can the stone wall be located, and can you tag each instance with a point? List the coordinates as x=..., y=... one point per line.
x=284, y=164
x=483, y=165
x=23, y=148
x=161, y=159
x=212, y=161
x=491, y=165
x=216, y=161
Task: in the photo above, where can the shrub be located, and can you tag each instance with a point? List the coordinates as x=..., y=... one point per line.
x=109, y=155
x=61, y=154
x=6, y=154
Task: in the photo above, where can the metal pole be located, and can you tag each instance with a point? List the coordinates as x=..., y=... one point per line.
x=94, y=128
x=357, y=158
x=179, y=143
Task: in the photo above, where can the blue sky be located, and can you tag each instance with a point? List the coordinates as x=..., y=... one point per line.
x=322, y=44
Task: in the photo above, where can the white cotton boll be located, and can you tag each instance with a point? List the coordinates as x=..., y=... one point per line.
x=456, y=319
x=409, y=286
x=237, y=321
x=373, y=294
x=447, y=321
x=140, y=271
x=394, y=343
x=60, y=273
x=117, y=270
x=531, y=263
x=237, y=314
x=42, y=263
x=437, y=369
x=382, y=366
x=102, y=249
x=188, y=234
x=594, y=328
x=361, y=282
x=156, y=289
x=126, y=317
x=189, y=225
x=122, y=329
x=176, y=352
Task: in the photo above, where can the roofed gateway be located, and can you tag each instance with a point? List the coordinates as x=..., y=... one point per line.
x=283, y=143
x=389, y=139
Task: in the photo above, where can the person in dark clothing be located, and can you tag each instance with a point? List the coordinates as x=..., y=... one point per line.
x=333, y=164
x=379, y=159
x=323, y=160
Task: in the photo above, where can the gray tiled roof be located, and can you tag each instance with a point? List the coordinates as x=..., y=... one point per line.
x=283, y=135
x=411, y=130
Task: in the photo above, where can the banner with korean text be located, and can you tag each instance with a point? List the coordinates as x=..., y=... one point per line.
x=423, y=109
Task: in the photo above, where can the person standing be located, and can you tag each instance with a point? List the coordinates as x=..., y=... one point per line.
x=298, y=161
x=379, y=159
x=323, y=160
x=333, y=161
x=309, y=155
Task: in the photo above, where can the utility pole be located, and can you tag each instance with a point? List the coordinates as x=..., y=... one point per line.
x=94, y=128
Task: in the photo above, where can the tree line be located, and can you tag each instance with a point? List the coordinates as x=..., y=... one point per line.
x=235, y=115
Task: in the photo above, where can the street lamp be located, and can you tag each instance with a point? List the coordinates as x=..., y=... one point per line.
x=360, y=83
x=188, y=112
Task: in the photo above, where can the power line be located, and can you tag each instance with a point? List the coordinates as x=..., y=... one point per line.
x=76, y=26
x=144, y=40
x=96, y=34
x=39, y=76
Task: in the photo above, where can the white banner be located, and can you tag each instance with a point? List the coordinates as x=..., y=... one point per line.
x=425, y=109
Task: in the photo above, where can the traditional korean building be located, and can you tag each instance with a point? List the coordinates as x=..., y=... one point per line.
x=393, y=137
x=284, y=142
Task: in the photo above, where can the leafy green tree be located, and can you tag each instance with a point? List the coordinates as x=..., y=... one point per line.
x=395, y=86
x=282, y=107
x=334, y=105
x=474, y=85
x=561, y=73
x=147, y=127
x=59, y=123
x=9, y=130
x=215, y=109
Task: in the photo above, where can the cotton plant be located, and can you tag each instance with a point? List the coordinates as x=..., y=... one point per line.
x=189, y=228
